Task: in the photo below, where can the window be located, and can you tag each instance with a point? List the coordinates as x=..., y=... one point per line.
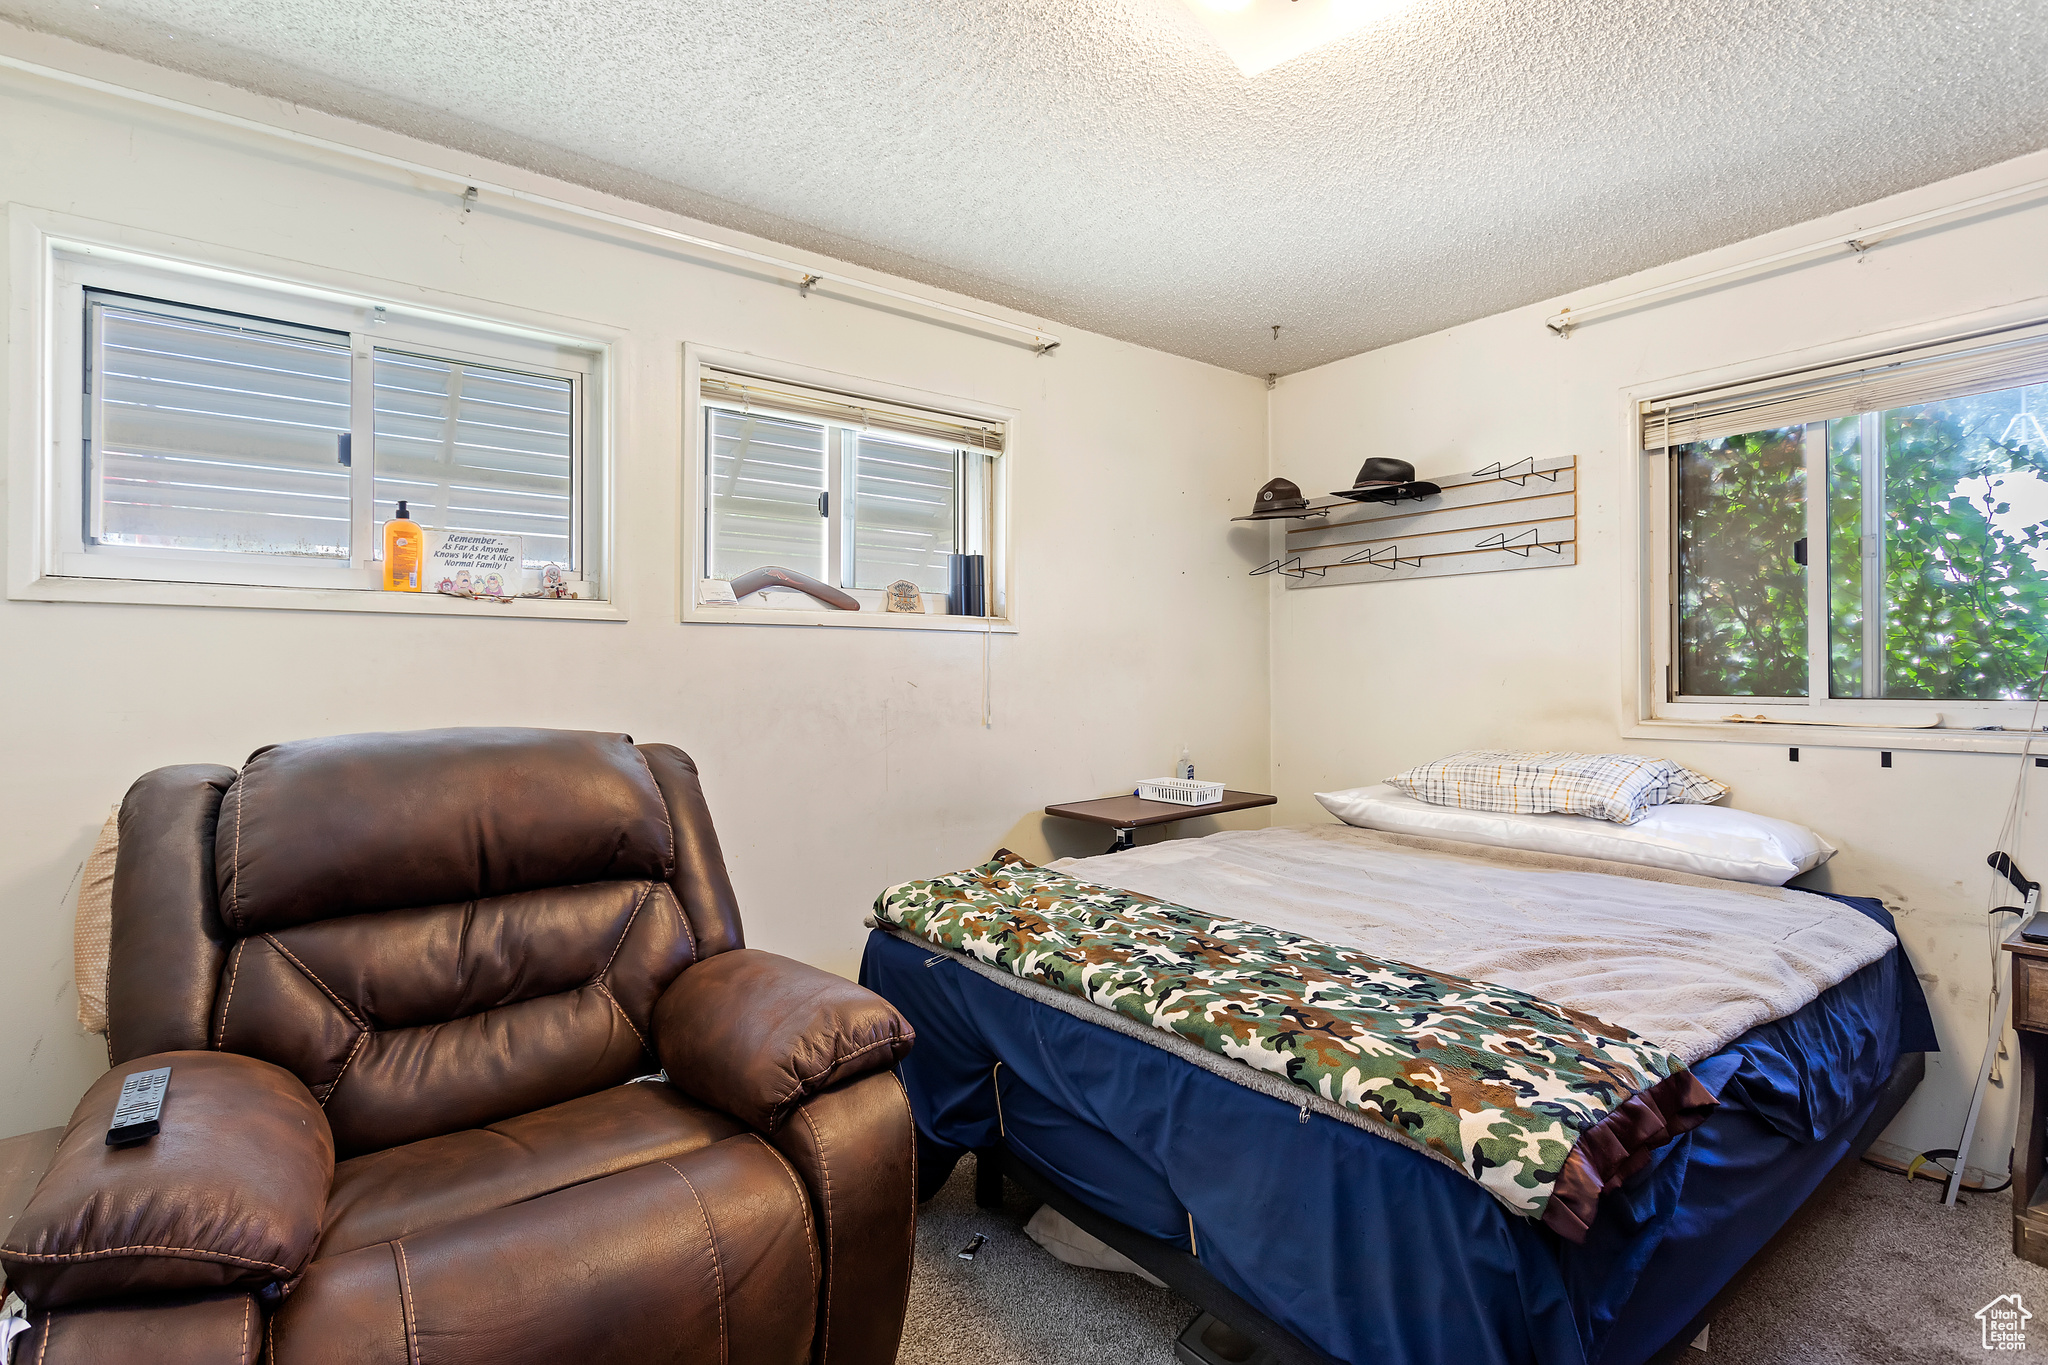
x=1741, y=590
x=1862, y=538
x=209, y=432
x=478, y=448
x=239, y=431
x=854, y=492
x=767, y=494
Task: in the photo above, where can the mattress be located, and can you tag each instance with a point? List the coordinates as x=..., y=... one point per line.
x=1368, y=1250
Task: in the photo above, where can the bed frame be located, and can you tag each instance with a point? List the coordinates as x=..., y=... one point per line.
x=1229, y=1331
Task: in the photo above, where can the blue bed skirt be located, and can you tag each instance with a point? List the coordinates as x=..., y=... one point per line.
x=1363, y=1248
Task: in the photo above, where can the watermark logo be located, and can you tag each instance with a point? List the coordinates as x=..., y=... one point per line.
x=2004, y=1320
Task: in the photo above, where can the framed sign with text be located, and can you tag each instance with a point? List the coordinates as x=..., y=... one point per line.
x=479, y=562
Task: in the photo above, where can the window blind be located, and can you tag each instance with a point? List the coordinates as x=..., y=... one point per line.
x=477, y=448
x=795, y=400
x=2006, y=359
x=903, y=518
x=216, y=433
x=767, y=476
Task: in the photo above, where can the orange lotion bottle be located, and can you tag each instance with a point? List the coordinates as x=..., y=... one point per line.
x=403, y=547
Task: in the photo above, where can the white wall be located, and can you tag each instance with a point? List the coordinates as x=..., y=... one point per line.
x=837, y=761
x=1368, y=679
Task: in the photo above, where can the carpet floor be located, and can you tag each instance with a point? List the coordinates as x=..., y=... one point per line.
x=1881, y=1273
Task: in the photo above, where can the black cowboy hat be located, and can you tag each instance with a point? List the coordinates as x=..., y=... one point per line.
x=1278, y=499
x=1381, y=479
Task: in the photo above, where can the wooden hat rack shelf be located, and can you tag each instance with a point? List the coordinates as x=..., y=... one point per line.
x=1505, y=516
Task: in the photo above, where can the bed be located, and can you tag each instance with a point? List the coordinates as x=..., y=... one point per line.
x=1321, y=1239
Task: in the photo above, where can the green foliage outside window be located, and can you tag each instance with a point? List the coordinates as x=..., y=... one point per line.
x=1966, y=608
x=1964, y=604
x=1741, y=597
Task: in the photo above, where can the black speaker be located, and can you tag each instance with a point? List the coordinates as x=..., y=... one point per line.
x=967, y=585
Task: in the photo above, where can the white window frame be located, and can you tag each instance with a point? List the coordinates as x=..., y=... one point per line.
x=800, y=610
x=1649, y=661
x=54, y=258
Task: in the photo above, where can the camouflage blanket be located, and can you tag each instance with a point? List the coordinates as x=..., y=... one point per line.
x=1544, y=1106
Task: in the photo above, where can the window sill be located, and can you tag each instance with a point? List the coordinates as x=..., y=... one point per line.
x=141, y=592
x=858, y=620
x=1937, y=739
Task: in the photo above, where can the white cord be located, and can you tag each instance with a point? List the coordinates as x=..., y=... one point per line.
x=2010, y=831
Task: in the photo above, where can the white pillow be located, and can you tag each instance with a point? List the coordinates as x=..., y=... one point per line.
x=1712, y=841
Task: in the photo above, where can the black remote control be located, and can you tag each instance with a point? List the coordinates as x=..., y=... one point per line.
x=142, y=1102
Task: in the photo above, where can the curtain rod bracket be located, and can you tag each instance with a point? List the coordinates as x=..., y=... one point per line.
x=1045, y=347
x=803, y=286
x=469, y=199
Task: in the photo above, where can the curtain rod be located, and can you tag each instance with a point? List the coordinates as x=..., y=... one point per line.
x=1858, y=242
x=808, y=276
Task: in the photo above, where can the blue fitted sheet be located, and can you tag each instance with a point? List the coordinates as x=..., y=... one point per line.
x=1362, y=1247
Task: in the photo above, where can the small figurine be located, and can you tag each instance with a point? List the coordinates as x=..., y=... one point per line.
x=554, y=582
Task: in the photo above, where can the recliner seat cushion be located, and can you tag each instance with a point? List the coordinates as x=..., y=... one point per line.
x=320, y=828
x=430, y=1184
x=709, y=1259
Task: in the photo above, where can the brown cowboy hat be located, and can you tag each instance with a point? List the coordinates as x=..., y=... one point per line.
x=1280, y=498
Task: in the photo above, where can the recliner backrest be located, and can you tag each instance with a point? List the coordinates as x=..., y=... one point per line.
x=433, y=930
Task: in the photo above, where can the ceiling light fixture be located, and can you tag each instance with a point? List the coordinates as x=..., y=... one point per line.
x=1261, y=34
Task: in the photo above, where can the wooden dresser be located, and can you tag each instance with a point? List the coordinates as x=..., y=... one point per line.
x=2030, y=1017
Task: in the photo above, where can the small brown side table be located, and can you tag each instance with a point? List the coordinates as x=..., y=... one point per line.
x=1128, y=814
x=2030, y=1019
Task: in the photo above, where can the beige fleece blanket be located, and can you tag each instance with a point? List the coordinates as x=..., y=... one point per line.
x=1688, y=962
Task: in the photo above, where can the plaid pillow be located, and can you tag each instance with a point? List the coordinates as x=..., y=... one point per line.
x=1616, y=787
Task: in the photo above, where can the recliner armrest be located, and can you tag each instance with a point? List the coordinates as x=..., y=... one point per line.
x=756, y=1034
x=230, y=1193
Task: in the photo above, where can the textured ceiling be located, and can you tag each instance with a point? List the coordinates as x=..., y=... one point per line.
x=1103, y=164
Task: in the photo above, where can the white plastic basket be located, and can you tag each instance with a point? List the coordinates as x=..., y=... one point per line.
x=1180, y=791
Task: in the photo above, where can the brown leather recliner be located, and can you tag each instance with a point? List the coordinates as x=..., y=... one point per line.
x=404, y=984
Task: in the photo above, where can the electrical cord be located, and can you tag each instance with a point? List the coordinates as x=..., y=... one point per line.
x=2010, y=832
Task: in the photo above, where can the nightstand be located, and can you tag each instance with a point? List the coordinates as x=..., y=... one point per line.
x=1128, y=814
x=2030, y=1018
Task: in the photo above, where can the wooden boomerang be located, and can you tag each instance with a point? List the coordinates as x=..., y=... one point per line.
x=772, y=577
